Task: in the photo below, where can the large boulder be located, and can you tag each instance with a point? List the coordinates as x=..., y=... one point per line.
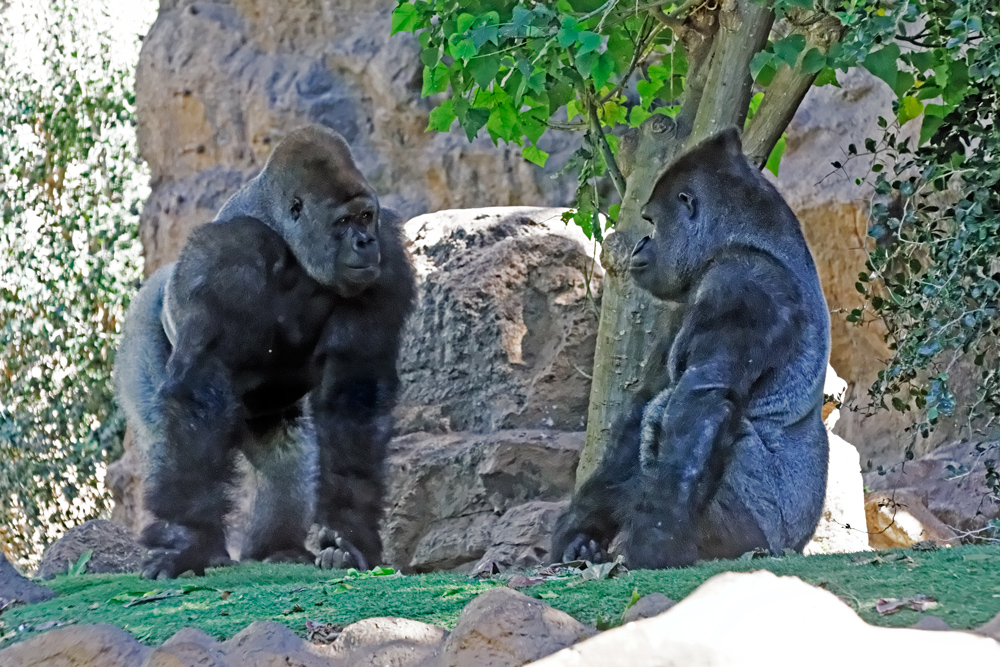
x=505, y=330
x=113, y=549
x=15, y=587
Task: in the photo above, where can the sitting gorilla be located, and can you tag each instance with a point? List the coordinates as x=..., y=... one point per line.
x=275, y=334
x=724, y=450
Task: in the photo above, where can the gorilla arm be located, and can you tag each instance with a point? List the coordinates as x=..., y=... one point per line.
x=737, y=327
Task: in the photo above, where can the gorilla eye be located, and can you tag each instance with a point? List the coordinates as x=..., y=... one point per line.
x=366, y=216
x=296, y=209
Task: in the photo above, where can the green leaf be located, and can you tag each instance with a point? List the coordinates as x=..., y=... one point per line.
x=464, y=22
x=814, y=61
x=535, y=155
x=884, y=65
x=461, y=48
x=472, y=120
x=435, y=80
x=568, y=33
x=788, y=49
x=827, y=77
x=774, y=159
x=585, y=63
x=442, y=117
x=757, y=64
x=486, y=29
x=484, y=68
x=80, y=567
x=909, y=108
x=603, y=70
x=404, y=18
x=589, y=41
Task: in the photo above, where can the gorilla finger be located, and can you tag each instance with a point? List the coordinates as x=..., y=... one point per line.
x=359, y=561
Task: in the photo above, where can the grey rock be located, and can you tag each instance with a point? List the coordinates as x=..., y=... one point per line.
x=448, y=492
x=505, y=331
x=520, y=538
x=14, y=587
x=77, y=646
x=115, y=550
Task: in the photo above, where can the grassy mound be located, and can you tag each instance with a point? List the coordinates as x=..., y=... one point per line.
x=965, y=581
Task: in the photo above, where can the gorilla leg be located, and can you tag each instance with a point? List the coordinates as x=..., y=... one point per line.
x=189, y=474
x=283, y=476
x=585, y=530
x=353, y=428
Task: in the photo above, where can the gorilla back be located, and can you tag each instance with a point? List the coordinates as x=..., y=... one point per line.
x=275, y=334
x=724, y=450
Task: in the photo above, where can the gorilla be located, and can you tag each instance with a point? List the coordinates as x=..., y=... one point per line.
x=264, y=358
x=723, y=450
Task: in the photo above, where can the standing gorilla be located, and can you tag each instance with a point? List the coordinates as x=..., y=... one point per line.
x=275, y=334
x=724, y=451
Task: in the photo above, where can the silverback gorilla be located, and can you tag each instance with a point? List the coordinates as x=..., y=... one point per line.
x=724, y=450
x=275, y=334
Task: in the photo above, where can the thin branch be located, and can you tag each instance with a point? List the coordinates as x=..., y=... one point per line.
x=641, y=52
x=602, y=142
x=786, y=92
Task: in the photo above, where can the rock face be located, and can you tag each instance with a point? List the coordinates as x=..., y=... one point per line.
x=219, y=83
x=114, y=549
x=14, y=587
x=937, y=497
x=454, y=497
x=505, y=331
x=761, y=619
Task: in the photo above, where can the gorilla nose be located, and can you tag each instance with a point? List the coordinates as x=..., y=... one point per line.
x=362, y=241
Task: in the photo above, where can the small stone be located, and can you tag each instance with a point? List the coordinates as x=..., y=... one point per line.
x=648, y=606
x=935, y=623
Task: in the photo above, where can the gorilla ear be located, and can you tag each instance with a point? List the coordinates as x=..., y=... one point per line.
x=729, y=142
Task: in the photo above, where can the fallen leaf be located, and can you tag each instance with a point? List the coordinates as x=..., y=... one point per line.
x=548, y=595
x=920, y=602
x=319, y=632
x=225, y=595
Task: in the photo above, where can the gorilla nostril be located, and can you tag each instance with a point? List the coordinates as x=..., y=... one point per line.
x=640, y=245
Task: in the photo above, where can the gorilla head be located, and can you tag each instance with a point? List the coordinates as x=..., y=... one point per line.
x=313, y=195
x=708, y=185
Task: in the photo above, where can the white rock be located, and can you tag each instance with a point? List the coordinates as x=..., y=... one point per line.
x=760, y=619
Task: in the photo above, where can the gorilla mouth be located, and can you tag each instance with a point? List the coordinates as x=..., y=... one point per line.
x=361, y=273
x=638, y=265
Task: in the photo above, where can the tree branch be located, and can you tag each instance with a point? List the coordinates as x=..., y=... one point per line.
x=743, y=30
x=605, y=148
x=790, y=85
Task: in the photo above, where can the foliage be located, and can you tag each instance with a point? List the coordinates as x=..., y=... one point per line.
x=935, y=268
x=69, y=256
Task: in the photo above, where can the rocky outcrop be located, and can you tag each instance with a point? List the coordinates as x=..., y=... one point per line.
x=761, y=619
x=113, y=549
x=220, y=83
x=942, y=496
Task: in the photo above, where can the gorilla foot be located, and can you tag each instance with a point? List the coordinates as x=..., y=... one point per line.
x=174, y=549
x=337, y=553
x=583, y=547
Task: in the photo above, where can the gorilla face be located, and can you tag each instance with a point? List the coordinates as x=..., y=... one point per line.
x=336, y=241
x=659, y=262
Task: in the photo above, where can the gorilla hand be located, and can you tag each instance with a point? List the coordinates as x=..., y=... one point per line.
x=174, y=549
x=336, y=553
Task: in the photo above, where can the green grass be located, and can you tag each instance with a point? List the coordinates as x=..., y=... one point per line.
x=965, y=581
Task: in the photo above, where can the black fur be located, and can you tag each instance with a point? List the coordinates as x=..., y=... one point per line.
x=275, y=335
x=724, y=450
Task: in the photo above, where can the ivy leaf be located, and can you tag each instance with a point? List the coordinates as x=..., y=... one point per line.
x=814, y=61
x=883, y=64
x=589, y=41
x=827, y=77
x=472, y=120
x=568, y=33
x=535, y=155
x=788, y=49
x=404, y=18
x=757, y=64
